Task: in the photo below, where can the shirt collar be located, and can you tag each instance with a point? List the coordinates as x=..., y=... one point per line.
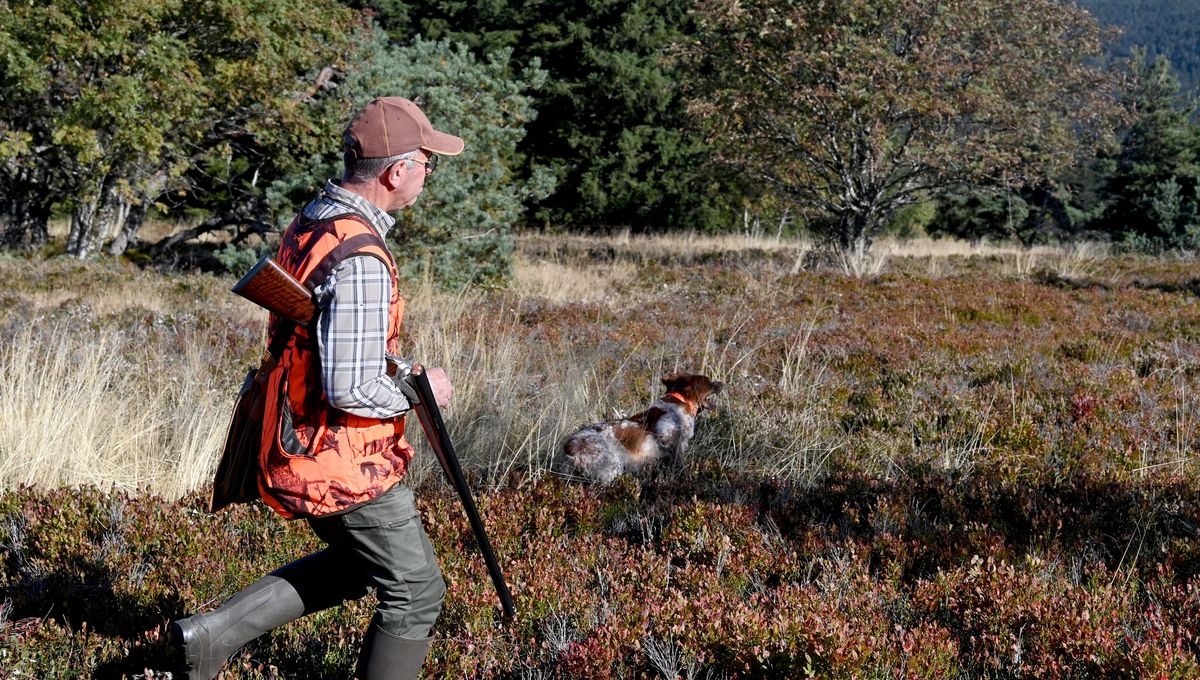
x=335, y=193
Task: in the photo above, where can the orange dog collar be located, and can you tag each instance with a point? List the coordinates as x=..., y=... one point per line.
x=684, y=401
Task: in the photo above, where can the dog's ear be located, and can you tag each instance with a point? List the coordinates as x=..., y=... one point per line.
x=673, y=381
x=717, y=386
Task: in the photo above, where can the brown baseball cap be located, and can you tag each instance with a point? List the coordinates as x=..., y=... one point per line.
x=390, y=126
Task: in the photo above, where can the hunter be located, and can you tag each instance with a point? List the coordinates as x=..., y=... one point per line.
x=333, y=448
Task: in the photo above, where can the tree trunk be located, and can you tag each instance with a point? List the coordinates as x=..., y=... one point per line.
x=134, y=215
x=37, y=223
x=128, y=231
x=25, y=212
x=15, y=227
x=93, y=218
x=24, y=218
x=856, y=230
x=83, y=222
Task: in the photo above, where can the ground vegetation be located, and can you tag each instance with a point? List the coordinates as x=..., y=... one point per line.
x=977, y=462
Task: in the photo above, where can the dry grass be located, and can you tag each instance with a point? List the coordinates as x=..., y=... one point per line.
x=945, y=248
x=77, y=410
x=695, y=243
x=1080, y=260
x=119, y=298
x=560, y=282
x=504, y=416
x=1071, y=261
x=587, y=267
x=120, y=378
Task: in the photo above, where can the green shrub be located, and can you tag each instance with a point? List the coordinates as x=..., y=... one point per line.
x=237, y=260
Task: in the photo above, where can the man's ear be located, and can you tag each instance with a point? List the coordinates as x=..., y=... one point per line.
x=391, y=176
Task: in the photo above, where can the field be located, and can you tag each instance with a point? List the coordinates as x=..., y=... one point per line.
x=948, y=462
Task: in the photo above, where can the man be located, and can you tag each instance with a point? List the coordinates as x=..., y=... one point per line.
x=333, y=443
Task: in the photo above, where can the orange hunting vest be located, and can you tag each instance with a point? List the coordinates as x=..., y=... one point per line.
x=315, y=459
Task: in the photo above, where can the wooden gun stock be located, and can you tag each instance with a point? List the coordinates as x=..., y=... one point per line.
x=269, y=286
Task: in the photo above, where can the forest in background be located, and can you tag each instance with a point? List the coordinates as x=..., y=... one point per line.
x=1170, y=28
x=843, y=121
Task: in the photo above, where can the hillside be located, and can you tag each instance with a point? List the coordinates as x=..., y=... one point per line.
x=1170, y=27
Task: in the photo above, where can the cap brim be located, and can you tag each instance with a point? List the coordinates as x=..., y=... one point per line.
x=444, y=144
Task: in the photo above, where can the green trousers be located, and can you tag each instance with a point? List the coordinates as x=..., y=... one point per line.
x=383, y=545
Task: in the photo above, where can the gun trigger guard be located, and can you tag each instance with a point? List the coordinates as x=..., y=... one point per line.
x=398, y=369
x=410, y=390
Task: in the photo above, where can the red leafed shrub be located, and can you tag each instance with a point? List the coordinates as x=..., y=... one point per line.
x=974, y=475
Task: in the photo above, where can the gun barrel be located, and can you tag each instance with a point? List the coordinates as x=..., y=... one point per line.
x=439, y=440
x=269, y=286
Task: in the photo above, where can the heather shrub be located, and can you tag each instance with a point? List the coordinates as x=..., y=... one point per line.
x=921, y=578
x=994, y=480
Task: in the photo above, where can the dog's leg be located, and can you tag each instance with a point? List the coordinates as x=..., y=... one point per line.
x=671, y=444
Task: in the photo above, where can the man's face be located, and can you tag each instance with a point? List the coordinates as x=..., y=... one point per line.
x=407, y=180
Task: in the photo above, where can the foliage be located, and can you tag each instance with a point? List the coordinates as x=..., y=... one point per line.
x=1056, y=212
x=913, y=220
x=1151, y=200
x=980, y=215
x=238, y=260
x=854, y=109
x=612, y=123
x=920, y=577
x=107, y=104
x=460, y=231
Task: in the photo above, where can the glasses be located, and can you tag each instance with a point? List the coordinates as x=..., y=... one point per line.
x=430, y=164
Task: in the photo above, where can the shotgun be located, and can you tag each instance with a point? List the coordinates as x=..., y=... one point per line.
x=269, y=286
x=439, y=440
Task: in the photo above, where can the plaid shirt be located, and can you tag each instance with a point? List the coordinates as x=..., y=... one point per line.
x=352, y=335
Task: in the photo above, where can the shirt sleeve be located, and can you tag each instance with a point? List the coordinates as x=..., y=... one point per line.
x=352, y=339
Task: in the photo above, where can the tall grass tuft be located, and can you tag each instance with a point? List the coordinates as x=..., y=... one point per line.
x=79, y=409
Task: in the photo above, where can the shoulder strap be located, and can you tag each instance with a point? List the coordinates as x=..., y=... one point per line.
x=317, y=278
x=334, y=257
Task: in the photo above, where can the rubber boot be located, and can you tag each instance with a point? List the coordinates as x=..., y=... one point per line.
x=386, y=657
x=306, y=585
x=209, y=639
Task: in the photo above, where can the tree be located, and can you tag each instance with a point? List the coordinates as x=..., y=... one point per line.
x=460, y=232
x=980, y=214
x=107, y=104
x=1151, y=198
x=853, y=109
x=612, y=122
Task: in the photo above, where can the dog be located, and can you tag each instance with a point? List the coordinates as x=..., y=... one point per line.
x=602, y=452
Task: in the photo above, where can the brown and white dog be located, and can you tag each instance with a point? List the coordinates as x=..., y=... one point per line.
x=601, y=452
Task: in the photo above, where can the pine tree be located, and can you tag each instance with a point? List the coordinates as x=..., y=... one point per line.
x=1151, y=196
